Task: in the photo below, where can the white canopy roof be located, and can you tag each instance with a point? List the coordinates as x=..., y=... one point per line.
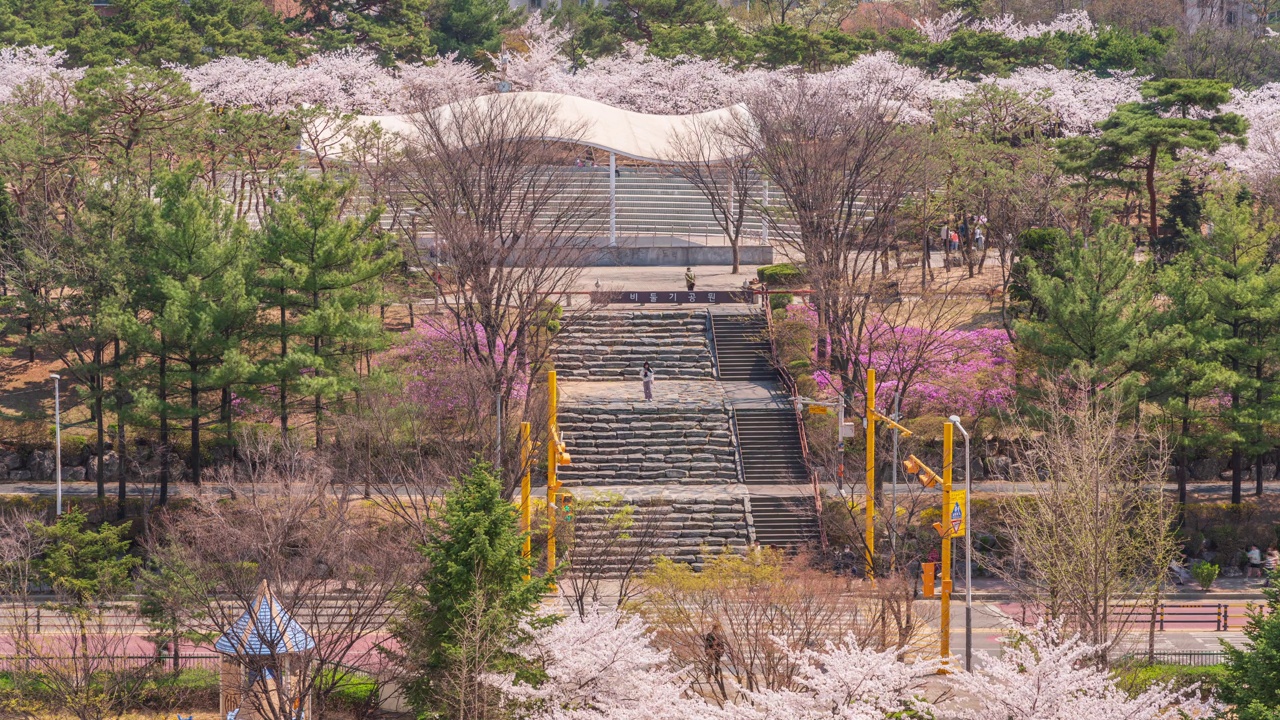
x=651, y=138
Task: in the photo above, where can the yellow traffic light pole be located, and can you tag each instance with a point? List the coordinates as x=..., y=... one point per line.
x=944, y=528
x=945, y=620
x=872, y=417
x=553, y=485
x=557, y=455
x=871, y=472
x=526, y=506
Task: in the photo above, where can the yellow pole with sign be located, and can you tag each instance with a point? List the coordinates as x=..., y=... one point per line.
x=553, y=441
x=945, y=620
x=526, y=506
x=871, y=472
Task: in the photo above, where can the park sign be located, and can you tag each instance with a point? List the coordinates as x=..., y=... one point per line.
x=666, y=297
x=955, y=513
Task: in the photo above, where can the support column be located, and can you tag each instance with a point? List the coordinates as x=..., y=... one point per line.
x=764, y=211
x=613, y=200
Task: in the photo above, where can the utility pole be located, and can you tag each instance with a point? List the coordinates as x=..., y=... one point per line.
x=871, y=472
x=946, y=530
x=57, y=435
x=526, y=482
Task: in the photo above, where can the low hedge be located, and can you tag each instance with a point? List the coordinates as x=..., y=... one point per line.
x=782, y=275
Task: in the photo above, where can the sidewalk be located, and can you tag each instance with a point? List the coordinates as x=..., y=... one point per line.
x=1224, y=590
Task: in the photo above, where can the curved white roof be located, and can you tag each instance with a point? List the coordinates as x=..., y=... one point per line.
x=651, y=138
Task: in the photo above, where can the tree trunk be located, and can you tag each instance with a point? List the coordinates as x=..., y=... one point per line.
x=164, y=425
x=1237, y=475
x=1151, y=191
x=284, y=381
x=101, y=425
x=195, y=424
x=122, y=494
x=1257, y=474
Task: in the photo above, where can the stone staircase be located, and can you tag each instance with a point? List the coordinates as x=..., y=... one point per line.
x=742, y=351
x=685, y=529
x=784, y=521
x=615, y=346
x=645, y=444
x=770, y=443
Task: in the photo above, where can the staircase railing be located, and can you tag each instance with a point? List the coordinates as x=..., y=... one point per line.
x=789, y=383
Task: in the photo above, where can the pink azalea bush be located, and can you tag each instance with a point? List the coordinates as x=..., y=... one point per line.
x=438, y=376
x=939, y=372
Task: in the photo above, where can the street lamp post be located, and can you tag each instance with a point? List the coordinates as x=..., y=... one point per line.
x=57, y=435
x=968, y=552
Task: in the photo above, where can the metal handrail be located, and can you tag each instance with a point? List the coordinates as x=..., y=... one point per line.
x=793, y=390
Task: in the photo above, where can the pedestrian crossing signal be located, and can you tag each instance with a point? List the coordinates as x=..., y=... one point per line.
x=566, y=507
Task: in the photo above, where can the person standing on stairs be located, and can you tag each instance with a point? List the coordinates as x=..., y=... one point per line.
x=646, y=378
x=689, y=278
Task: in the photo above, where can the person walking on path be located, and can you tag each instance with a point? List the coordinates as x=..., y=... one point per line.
x=689, y=278
x=1255, y=562
x=646, y=378
x=1271, y=562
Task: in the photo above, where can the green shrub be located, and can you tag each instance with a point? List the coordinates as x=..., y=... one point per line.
x=350, y=690
x=193, y=687
x=1138, y=677
x=778, y=301
x=807, y=386
x=782, y=275
x=1205, y=573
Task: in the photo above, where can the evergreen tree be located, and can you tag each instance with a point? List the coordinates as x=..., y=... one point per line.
x=1251, y=685
x=200, y=306
x=81, y=565
x=473, y=596
x=470, y=28
x=1176, y=115
x=398, y=30
x=321, y=276
x=1095, y=308
x=1179, y=378
x=1229, y=288
x=1181, y=221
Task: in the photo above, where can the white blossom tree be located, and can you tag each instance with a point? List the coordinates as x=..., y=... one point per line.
x=600, y=666
x=845, y=682
x=1043, y=676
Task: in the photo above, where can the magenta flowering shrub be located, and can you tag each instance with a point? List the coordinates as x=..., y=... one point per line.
x=439, y=375
x=940, y=372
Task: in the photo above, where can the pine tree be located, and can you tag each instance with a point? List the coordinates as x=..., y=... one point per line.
x=1182, y=217
x=1094, y=308
x=200, y=306
x=1252, y=675
x=321, y=274
x=474, y=595
x=1175, y=115
x=1231, y=287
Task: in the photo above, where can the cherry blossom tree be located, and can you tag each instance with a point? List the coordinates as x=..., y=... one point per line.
x=1043, y=676
x=600, y=666
x=846, y=682
x=38, y=68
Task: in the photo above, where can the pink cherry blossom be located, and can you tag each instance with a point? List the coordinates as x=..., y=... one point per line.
x=1042, y=676
x=601, y=666
x=845, y=682
x=38, y=68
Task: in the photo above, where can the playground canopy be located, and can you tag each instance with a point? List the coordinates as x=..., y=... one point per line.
x=648, y=138
x=264, y=629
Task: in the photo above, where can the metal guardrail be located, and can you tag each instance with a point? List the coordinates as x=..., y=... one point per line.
x=1189, y=658
x=203, y=661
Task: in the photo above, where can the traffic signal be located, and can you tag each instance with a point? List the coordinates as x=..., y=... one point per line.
x=566, y=507
x=913, y=466
x=562, y=454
